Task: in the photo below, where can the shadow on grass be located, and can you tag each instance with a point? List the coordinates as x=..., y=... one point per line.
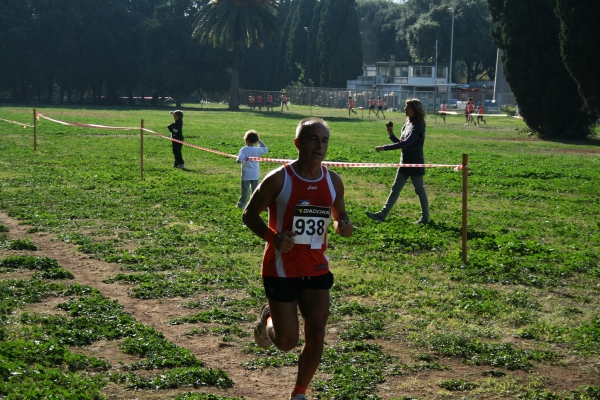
x=457, y=230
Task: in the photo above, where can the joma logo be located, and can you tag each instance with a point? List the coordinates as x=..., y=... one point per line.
x=312, y=187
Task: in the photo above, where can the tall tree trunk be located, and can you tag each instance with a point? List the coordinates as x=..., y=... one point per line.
x=50, y=91
x=234, y=104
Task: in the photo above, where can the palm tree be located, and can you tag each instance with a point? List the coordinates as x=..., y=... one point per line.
x=233, y=22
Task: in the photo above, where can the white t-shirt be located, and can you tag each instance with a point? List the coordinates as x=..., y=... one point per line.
x=251, y=169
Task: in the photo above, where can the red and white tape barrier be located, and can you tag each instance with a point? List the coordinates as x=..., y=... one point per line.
x=118, y=128
x=190, y=144
x=473, y=114
x=16, y=123
x=361, y=165
x=261, y=159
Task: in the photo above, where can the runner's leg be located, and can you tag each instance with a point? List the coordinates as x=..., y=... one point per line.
x=283, y=325
x=314, y=308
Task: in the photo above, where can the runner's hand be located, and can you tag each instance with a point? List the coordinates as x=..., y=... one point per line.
x=284, y=241
x=343, y=228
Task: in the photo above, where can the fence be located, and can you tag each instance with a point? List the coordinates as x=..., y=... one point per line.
x=394, y=100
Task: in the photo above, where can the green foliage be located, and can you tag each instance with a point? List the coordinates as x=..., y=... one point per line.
x=176, y=378
x=578, y=36
x=19, y=244
x=29, y=262
x=338, y=42
x=471, y=20
x=54, y=273
x=479, y=353
x=517, y=261
x=536, y=77
x=3, y=228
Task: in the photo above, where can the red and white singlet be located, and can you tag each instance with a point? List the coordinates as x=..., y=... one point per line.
x=303, y=207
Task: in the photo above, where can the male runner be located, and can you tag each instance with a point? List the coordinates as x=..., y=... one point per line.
x=301, y=198
x=443, y=109
x=270, y=102
x=372, y=107
x=469, y=110
x=284, y=102
x=480, y=111
x=380, y=107
x=350, y=106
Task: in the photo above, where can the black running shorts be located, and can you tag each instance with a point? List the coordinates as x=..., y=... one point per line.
x=287, y=290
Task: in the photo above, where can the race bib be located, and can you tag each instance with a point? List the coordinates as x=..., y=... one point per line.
x=310, y=225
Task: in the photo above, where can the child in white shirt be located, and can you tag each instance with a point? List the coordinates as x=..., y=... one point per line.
x=250, y=169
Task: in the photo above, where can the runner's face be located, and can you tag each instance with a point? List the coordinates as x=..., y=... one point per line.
x=313, y=142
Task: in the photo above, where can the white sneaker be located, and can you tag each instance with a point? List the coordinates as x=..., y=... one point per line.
x=466, y=124
x=299, y=397
x=260, y=330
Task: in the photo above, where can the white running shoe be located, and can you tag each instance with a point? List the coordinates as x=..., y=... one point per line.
x=299, y=397
x=260, y=330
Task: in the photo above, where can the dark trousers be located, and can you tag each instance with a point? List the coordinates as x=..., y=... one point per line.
x=177, y=153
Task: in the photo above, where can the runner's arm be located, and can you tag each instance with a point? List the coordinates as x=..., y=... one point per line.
x=341, y=222
x=262, y=197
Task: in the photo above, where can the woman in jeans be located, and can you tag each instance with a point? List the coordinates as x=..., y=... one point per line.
x=411, y=143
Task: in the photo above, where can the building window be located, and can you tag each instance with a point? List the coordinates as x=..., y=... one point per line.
x=382, y=71
x=423, y=72
x=402, y=72
x=441, y=72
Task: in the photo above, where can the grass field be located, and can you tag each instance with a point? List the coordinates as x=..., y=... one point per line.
x=409, y=319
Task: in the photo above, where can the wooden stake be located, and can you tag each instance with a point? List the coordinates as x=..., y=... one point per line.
x=142, y=149
x=465, y=176
x=34, y=130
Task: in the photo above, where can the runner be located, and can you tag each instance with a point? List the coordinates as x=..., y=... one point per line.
x=251, y=102
x=380, y=107
x=371, y=107
x=443, y=110
x=270, y=103
x=469, y=110
x=301, y=198
x=259, y=102
x=480, y=112
x=284, y=101
x=350, y=106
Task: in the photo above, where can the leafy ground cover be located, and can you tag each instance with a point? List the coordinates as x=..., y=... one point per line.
x=409, y=319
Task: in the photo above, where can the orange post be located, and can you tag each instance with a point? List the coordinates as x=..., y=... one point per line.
x=142, y=149
x=34, y=130
x=465, y=177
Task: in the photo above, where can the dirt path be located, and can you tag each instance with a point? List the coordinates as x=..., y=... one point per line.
x=260, y=385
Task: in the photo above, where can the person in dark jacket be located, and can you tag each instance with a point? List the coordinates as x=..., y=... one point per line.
x=176, y=129
x=411, y=143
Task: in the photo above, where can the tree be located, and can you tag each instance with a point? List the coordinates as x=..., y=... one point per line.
x=338, y=40
x=176, y=64
x=378, y=30
x=579, y=42
x=297, y=43
x=234, y=22
x=527, y=31
x=472, y=38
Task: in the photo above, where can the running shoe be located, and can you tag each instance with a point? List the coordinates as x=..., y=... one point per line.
x=260, y=330
x=376, y=216
x=299, y=397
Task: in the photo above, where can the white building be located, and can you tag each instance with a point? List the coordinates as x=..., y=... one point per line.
x=396, y=81
x=402, y=76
